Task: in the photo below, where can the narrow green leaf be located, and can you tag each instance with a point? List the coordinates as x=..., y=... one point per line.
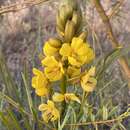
x=105, y=113
x=122, y=126
x=14, y=119
x=104, y=63
x=20, y=108
x=30, y=102
x=7, y=79
x=26, y=120
x=92, y=116
x=5, y=122
x=113, y=111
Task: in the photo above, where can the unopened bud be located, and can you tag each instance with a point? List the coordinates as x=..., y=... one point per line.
x=69, y=31
x=83, y=35
x=55, y=42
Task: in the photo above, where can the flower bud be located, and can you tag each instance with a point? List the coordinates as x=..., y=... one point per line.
x=54, y=42
x=83, y=36
x=69, y=31
x=52, y=47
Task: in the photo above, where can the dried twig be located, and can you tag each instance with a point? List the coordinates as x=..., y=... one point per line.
x=114, y=41
x=107, y=122
x=95, y=122
x=19, y=6
x=115, y=9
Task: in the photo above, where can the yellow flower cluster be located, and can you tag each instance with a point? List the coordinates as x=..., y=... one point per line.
x=77, y=53
x=62, y=59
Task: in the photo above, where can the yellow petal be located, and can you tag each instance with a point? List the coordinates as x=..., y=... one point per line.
x=49, y=61
x=88, y=82
x=61, y=68
x=56, y=115
x=34, y=82
x=85, y=78
x=57, y=97
x=73, y=61
x=71, y=96
x=92, y=71
x=39, y=80
x=76, y=43
x=90, y=55
x=73, y=71
x=87, y=87
x=46, y=116
x=36, y=71
x=53, y=74
x=83, y=50
x=93, y=81
x=43, y=107
x=49, y=111
x=42, y=91
x=50, y=104
x=83, y=59
x=65, y=50
x=49, y=50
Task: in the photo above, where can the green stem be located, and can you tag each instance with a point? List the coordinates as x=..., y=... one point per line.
x=82, y=105
x=63, y=85
x=63, y=91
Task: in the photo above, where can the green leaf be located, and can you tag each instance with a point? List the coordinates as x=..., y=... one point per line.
x=122, y=126
x=14, y=119
x=103, y=63
x=105, y=113
x=30, y=102
x=5, y=121
x=92, y=116
x=113, y=111
x=7, y=79
x=26, y=120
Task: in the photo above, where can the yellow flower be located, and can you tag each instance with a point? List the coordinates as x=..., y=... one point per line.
x=73, y=71
x=88, y=82
x=53, y=69
x=58, y=97
x=78, y=52
x=52, y=47
x=49, y=111
x=40, y=82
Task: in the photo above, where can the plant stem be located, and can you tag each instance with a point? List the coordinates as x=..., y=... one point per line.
x=82, y=105
x=63, y=91
x=63, y=85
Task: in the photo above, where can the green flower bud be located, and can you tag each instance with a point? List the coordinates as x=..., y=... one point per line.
x=69, y=31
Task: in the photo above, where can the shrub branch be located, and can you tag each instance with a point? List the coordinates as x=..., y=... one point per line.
x=114, y=41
